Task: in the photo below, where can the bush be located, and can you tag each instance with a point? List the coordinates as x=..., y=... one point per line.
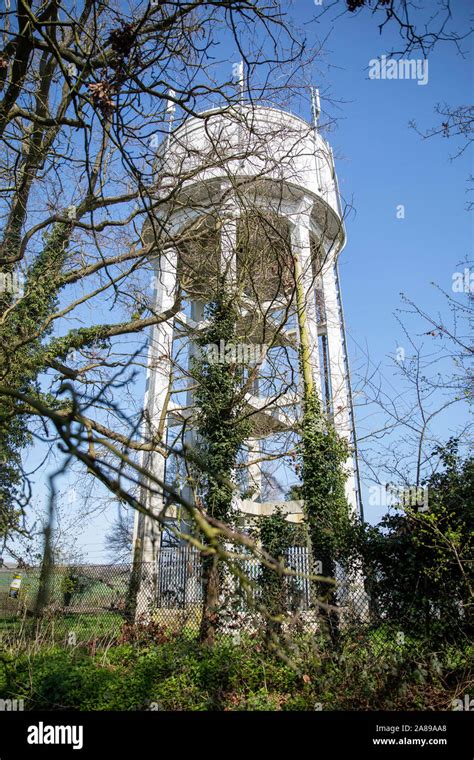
x=371, y=672
x=418, y=564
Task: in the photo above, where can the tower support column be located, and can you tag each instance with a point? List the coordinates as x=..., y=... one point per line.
x=337, y=364
x=301, y=248
x=148, y=530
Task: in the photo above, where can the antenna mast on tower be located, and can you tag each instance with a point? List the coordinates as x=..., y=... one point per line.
x=170, y=110
x=315, y=106
x=316, y=112
x=239, y=75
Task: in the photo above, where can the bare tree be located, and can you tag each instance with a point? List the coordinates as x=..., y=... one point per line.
x=431, y=374
x=420, y=25
x=88, y=93
x=119, y=540
x=91, y=96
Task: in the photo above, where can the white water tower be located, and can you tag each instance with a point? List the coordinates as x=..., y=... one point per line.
x=244, y=190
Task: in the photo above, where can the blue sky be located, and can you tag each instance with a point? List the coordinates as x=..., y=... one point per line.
x=381, y=163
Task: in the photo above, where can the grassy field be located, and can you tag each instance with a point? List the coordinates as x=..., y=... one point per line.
x=86, y=627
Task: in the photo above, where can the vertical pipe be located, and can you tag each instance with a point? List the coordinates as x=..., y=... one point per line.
x=349, y=392
x=316, y=110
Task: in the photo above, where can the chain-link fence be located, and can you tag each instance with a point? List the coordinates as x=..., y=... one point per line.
x=82, y=602
x=87, y=603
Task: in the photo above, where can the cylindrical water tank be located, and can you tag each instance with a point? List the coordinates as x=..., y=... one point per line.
x=251, y=143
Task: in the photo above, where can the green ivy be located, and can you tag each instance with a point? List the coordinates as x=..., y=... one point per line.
x=322, y=456
x=221, y=428
x=276, y=535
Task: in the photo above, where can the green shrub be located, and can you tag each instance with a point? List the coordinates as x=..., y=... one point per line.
x=368, y=673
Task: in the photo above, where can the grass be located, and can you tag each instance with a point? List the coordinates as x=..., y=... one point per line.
x=85, y=627
x=89, y=626
x=92, y=612
x=106, y=588
x=166, y=671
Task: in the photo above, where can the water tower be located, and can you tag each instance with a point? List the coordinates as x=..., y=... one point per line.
x=243, y=191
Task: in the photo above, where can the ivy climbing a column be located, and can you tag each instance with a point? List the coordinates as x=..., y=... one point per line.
x=222, y=431
x=322, y=456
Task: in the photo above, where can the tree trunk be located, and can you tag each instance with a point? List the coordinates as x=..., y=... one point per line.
x=207, y=632
x=44, y=583
x=327, y=594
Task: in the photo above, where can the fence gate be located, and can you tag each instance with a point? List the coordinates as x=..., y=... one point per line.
x=179, y=577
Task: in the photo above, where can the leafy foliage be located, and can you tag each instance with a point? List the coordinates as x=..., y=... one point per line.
x=220, y=425
x=322, y=456
x=419, y=563
x=370, y=673
x=277, y=535
x=222, y=430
